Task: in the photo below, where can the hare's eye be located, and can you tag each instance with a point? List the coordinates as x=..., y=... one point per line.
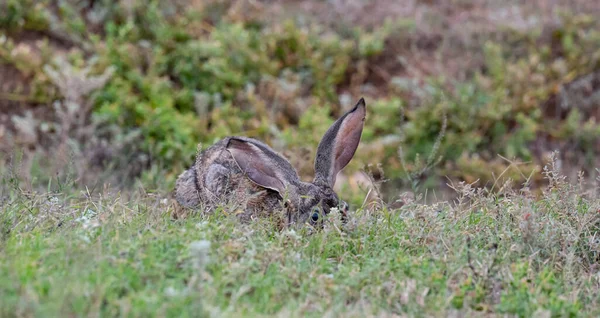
x=315, y=214
x=343, y=206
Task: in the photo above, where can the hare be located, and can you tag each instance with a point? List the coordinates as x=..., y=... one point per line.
x=248, y=175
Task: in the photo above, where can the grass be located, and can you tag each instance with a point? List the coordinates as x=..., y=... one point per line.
x=72, y=253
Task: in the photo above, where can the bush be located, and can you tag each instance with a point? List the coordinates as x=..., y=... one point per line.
x=189, y=73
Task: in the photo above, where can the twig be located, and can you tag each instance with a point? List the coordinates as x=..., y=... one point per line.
x=22, y=98
x=475, y=273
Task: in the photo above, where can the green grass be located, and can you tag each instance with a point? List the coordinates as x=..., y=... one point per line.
x=122, y=254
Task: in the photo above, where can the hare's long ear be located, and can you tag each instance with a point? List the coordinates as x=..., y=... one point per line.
x=261, y=164
x=338, y=145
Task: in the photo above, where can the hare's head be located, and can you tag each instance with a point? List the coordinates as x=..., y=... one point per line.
x=305, y=202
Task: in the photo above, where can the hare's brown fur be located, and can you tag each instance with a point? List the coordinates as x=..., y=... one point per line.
x=216, y=179
x=243, y=174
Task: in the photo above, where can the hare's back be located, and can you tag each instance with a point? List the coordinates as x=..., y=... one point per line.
x=221, y=181
x=213, y=161
x=218, y=176
x=196, y=185
x=216, y=179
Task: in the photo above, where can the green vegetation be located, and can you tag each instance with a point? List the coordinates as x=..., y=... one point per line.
x=188, y=73
x=109, y=254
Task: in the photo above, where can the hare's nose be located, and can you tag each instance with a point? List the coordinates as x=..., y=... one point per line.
x=344, y=206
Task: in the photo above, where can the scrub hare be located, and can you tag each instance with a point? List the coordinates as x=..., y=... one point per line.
x=248, y=175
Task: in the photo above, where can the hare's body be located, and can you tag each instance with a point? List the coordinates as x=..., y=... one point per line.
x=245, y=175
x=216, y=179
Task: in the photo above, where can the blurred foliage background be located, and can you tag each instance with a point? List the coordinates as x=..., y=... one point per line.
x=459, y=90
